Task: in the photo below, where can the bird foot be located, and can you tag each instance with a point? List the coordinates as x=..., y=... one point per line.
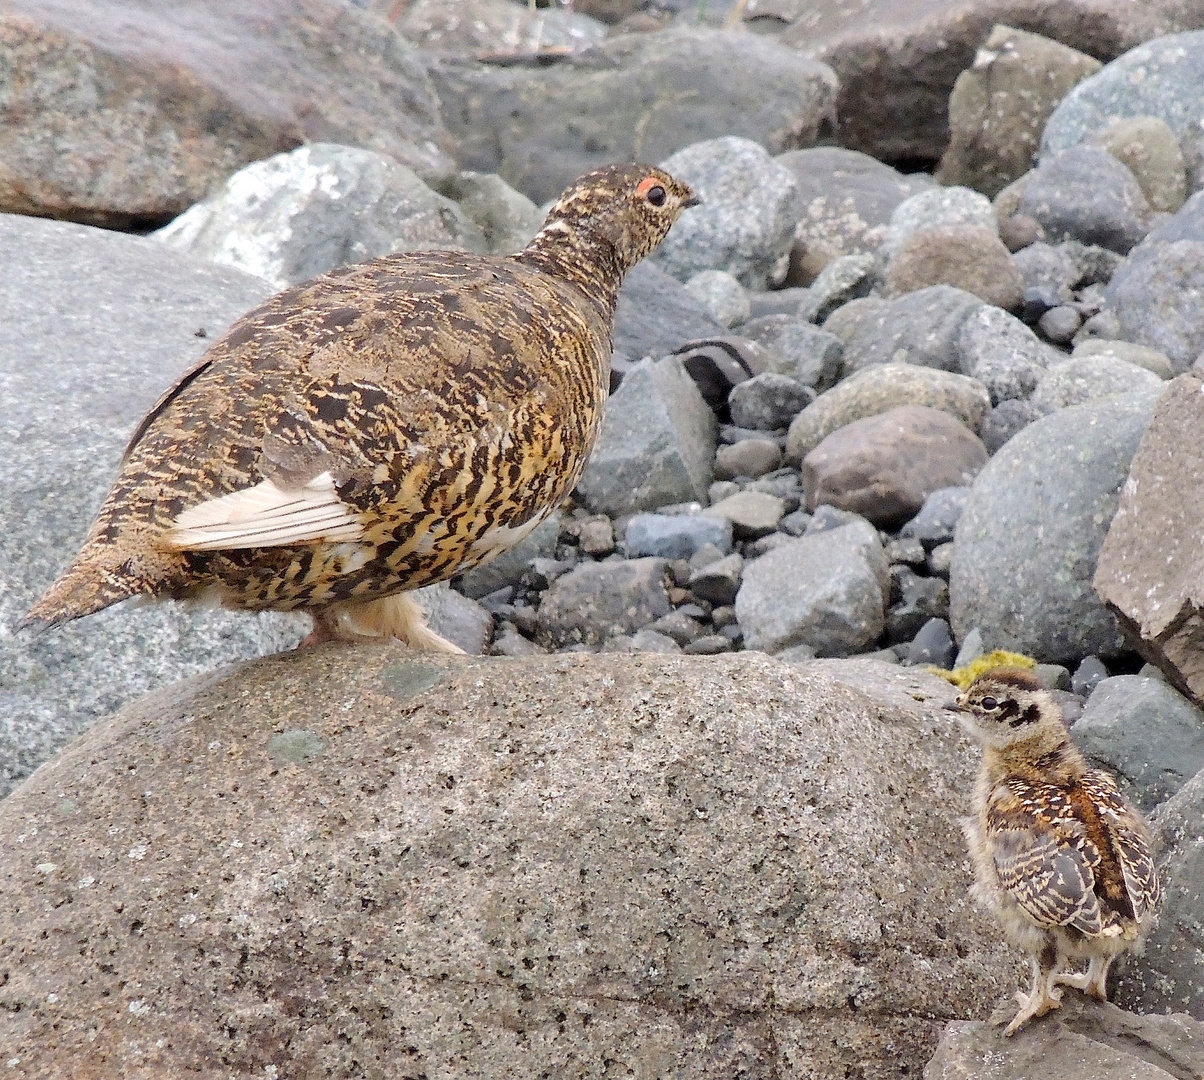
x=1042, y=1000
x=1086, y=981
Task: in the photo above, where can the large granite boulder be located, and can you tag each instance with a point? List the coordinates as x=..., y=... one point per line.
x=1028, y=540
x=126, y=113
x=93, y=327
x=1151, y=567
x=634, y=97
x=356, y=860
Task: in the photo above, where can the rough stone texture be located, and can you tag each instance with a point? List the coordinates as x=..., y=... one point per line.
x=595, y=601
x=1056, y=484
x=93, y=327
x=920, y=328
x=745, y=224
x=768, y=402
x=507, y=218
x=1089, y=378
x=1168, y=975
x=848, y=277
x=752, y=514
x=937, y=207
x=1084, y=1040
x=472, y=26
x=657, y=444
x=999, y=106
x=507, y=568
x=878, y=389
x=932, y=645
x=676, y=536
x=968, y=257
x=126, y=112
x=915, y=601
x=805, y=352
x=1151, y=570
x=462, y=621
x=1002, y=353
x=724, y=298
x=826, y=591
x=748, y=457
x=1150, y=359
x=298, y=215
x=938, y=517
x=1157, y=294
x=525, y=867
x=1162, y=78
x=655, y=315
x=636, y=97
x=1043, y=266
x=718, y=582
x=1145, y=733
x=1086, y=194
x=1004, y=421
x=1150, y=150
x=885, y=466
x=846, y=199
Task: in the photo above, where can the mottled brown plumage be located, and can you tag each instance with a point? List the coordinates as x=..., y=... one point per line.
x=380, y=428
x=1060, y=856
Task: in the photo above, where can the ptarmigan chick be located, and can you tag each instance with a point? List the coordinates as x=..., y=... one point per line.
x=1059, y=854
x=380, y=428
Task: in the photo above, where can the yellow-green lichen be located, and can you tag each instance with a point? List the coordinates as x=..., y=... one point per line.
x=963, y=676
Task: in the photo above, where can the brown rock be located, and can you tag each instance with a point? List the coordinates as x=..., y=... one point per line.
x=898, y=60
x=999, y=106
x=124, y=113
x=358, y=862
x=885, y=466
x=1148, y=146
x=968, y=257
x=1151, y=566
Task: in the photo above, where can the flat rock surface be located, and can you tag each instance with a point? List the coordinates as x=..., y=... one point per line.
x=359, y=861
x=93, y=327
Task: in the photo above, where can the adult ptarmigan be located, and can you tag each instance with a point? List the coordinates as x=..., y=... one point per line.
x=379, y=428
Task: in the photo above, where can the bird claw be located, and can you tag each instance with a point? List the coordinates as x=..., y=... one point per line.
x=1041, y=1001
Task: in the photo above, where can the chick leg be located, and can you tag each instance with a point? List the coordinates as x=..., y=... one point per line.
x=1093, y=981
x=392, y=616
x=1044, y=996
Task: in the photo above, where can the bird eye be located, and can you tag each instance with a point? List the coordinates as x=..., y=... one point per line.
x=989, y=703
x=656, y=195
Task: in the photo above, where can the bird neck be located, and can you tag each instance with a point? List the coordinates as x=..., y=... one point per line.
x=1048, y=756
x=586, y=261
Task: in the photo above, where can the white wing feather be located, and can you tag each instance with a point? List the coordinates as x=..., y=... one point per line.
x=268, y=516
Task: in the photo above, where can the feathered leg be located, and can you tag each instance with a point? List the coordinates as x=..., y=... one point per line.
x=1044, y=996
x=392, y=616
x=1093, y=981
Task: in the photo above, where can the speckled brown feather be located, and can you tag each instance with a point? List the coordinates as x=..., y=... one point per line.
x=453, y=398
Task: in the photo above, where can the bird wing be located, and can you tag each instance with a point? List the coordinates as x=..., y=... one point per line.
x=1130, y=843
x=1044, y=861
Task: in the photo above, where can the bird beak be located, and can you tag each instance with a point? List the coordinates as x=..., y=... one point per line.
x=692, y=200
x=953, y=706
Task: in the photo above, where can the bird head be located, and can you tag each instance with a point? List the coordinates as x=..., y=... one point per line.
x=1008, y=706
x=629, y=207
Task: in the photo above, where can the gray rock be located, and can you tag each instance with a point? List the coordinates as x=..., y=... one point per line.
x=718, y=582
x=939, y=560
x=932, y=645
x=1162, y=78
x=724, y=298
x=921, y=328
x=1085, y=194
x=596, y=601
x=1056, y=485
x=680, y=627
x=938, y=517
x=906, y=549
x=462, y=621
x=938, y=206
x=1060, y=324
x=768, y=402
x=495, y=25
x=707, y=645
x=825, y=591
x=752, y=514
x=596, y=537
x=745, y=224
x=647, y=640
x=845, y=278
x=509, y=642
x=64, y=428
x=655, y=315
x=1150, y=150
x=826, y=518
x=657, y=444
x=508, y=567
x=298, y=215
x=914, y=600
x=1002, y=422
x=636, y=97
x=1144, y=732
x=971, y=648
x=1088, y=675
x=1150, y=359
x=1090, y=378
x=679, y=536
x=807, y=353
x=748, y=457
x=1000, y=104
x=1053, y=677
x=878, y=389
x=507, y=218
x=1044, y=266
x=1002, y=353
x=847, y=199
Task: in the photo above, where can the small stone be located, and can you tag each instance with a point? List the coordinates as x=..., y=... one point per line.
x=795, y=524
x=598, y=600
x=681, y=628
x=509, y=642
x=937, y=520
x=939, y=207
x=704, y=556
x=708, y=645
x=1148, y=146
x=968, y=257
x=849, y=277
x=1019, y=231
x=723, y=616
x=1002, y=353
x=827, y=517
x=939, y=560
x=915, y=600
x=932, y=645
x=1004, y=421
x=647, y=640
x=752, y=514
x=722, y=295
x=719, y=581
x=680, y=536
x=462, y=621
x=1052, y=676
x=768, y=402
x=596, y=537
x=749, y=457
x=1050, y=270
x=1088, y=675
x=1060, y=324
x=808, y=354
x=971, y=649
x=907, y=550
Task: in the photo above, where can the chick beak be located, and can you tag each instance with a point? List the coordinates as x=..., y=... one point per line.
x=691, y=200
x=955, y=706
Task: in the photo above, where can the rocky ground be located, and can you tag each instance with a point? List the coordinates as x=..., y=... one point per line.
x=920, y=379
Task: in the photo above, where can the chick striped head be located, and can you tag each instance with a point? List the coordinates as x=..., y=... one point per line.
x=1008, y=706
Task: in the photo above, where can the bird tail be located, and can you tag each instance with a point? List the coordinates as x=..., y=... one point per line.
x=87, y=586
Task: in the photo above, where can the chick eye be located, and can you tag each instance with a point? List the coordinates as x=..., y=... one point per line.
x=989, y=703
x=656, y=195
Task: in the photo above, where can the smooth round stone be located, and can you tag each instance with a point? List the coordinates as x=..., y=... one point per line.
x=1060, y=324
x=722, y=295
x=968, y=257
x=749, y=457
